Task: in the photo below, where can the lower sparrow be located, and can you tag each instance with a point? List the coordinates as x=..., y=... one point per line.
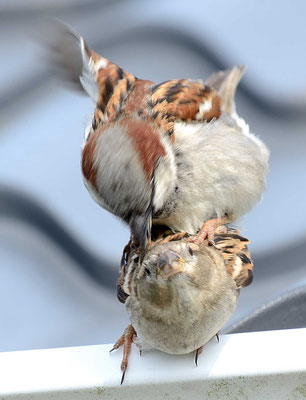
x=181, y=294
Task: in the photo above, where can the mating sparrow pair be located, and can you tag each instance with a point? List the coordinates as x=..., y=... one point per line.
x=176, y=154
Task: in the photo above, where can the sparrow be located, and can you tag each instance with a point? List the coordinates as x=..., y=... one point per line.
x=173, y=153
x=181, y=294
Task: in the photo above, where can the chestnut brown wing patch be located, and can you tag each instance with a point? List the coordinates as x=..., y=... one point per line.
x=88, y=158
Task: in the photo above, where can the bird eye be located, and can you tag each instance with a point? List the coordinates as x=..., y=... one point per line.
x=147, y=271
x=190, y=251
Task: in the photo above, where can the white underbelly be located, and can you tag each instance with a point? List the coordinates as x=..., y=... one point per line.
x=220, y=170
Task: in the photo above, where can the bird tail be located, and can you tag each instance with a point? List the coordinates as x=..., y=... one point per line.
x=141, y=226
x=225, y=83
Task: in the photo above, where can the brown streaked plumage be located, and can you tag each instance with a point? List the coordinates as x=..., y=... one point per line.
x=138, y=99
x=184, y=97
x=114, y=86
x=146, y=111
x=121, y=94
x=198, y=161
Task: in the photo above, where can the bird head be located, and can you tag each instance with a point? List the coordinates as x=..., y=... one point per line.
x=162, y=269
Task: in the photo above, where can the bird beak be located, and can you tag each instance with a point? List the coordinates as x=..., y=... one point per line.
x=169, y=263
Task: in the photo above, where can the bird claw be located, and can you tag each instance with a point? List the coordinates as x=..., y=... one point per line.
x=118, y=343
x=126, y=341
x=114, y=348
x=200, y=349
x=123, y=369
x=212, y=243
x=198, y=352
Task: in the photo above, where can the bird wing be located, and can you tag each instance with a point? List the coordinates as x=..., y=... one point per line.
x=186, y=100
x=233, y=248
x=193, y=100
x=70, y=57
x=178, y=99
x=79, y=65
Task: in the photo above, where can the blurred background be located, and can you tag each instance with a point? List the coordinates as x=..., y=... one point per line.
x=60, y=252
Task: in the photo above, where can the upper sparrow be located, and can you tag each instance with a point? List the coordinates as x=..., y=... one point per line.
x=174, y=152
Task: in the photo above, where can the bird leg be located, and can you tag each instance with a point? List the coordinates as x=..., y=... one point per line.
x=222, y=229
x=217, y=336
x=208, y=230
x=126, y=341
x=197, y=353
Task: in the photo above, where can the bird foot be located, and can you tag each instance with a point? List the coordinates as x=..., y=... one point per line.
x=126, y=341
x=209, y=229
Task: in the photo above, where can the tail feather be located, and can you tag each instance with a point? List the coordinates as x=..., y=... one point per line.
x=141, y=228
x=225, y=83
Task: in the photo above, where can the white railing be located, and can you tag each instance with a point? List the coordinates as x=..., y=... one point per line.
x=261, y=365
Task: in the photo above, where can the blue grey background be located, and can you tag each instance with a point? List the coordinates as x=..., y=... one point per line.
x=58, y=250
